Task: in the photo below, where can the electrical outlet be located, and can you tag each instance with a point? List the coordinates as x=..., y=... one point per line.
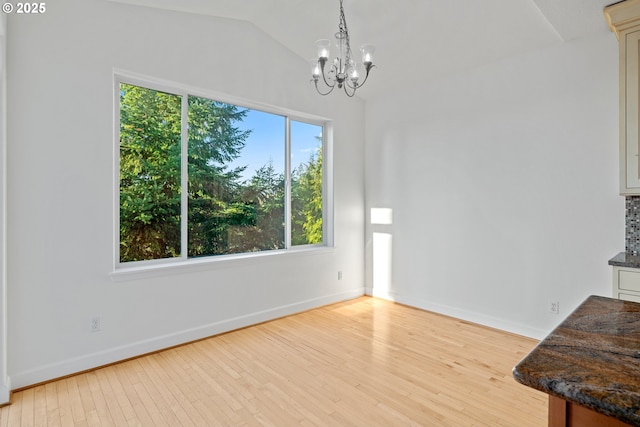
x=339, y=275
x=554, y=307
x=95, y=324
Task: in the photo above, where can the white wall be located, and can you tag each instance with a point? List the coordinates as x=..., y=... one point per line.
x=60, y=187
x=503, y=185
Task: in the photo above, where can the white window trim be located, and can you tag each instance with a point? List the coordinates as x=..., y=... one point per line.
x=154, y=268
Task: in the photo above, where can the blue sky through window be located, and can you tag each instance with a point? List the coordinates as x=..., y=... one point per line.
x=266, y=142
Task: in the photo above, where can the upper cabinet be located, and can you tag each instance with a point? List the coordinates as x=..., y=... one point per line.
x=624, y=20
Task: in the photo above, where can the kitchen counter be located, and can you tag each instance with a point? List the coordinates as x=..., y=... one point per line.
x=625, y=259
x=590, y=361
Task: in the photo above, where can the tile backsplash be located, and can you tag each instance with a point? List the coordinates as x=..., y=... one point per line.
x=632, y=225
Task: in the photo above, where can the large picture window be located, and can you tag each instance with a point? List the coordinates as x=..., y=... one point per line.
x=199, y=177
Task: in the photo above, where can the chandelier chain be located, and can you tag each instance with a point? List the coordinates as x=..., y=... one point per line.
x=344, y=31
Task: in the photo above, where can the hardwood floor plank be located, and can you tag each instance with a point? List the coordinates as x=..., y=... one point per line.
x=53, y=411
x=113, y=401
x=27, y=407
x=179, y=403
x=40, y=407
x=366, y=362
x=127, y=388
x=14, y=411
x=102, y=416
x=87, y=401
x=4, y=418
x=184, y=389
x=64, y=404
x=160, y=393
x=77, y=405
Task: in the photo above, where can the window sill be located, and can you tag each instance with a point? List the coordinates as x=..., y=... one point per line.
x=137, y=272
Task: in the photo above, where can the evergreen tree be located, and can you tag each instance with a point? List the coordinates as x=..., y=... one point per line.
x=215, y=208
x=225, y=215
x=265, y=192
x=149, y=174
x=306, y=215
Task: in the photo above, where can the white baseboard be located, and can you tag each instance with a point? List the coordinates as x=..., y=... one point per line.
x=90, y=361
x=5, y=393
x=462, y=314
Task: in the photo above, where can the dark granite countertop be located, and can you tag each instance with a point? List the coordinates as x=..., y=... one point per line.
x=625, y=259
x=592, y=358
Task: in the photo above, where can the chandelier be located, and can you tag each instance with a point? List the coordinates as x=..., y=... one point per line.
x=343, y=72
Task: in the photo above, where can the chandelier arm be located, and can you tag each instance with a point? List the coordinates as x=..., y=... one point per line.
x=324, y=77
x=320, y=92
x=349, y=83
x=346, y=90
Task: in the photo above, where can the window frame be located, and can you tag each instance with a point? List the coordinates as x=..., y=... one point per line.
x=150, y=268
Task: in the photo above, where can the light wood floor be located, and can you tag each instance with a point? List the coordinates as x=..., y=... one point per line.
x=366, y=362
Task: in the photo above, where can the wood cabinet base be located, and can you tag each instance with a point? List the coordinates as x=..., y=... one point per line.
x=567, y=414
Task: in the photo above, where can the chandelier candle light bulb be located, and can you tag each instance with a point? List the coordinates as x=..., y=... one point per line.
x=323, y=49
x=343, y=72
x=367, y=53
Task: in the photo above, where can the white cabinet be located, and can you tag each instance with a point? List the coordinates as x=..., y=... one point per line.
x=629, y=138
x=626, y=283
x=624, y=20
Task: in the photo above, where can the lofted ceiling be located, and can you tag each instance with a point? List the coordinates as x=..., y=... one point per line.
x=416, y=40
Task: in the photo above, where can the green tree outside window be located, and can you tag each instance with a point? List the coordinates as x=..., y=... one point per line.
x=226, y=211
